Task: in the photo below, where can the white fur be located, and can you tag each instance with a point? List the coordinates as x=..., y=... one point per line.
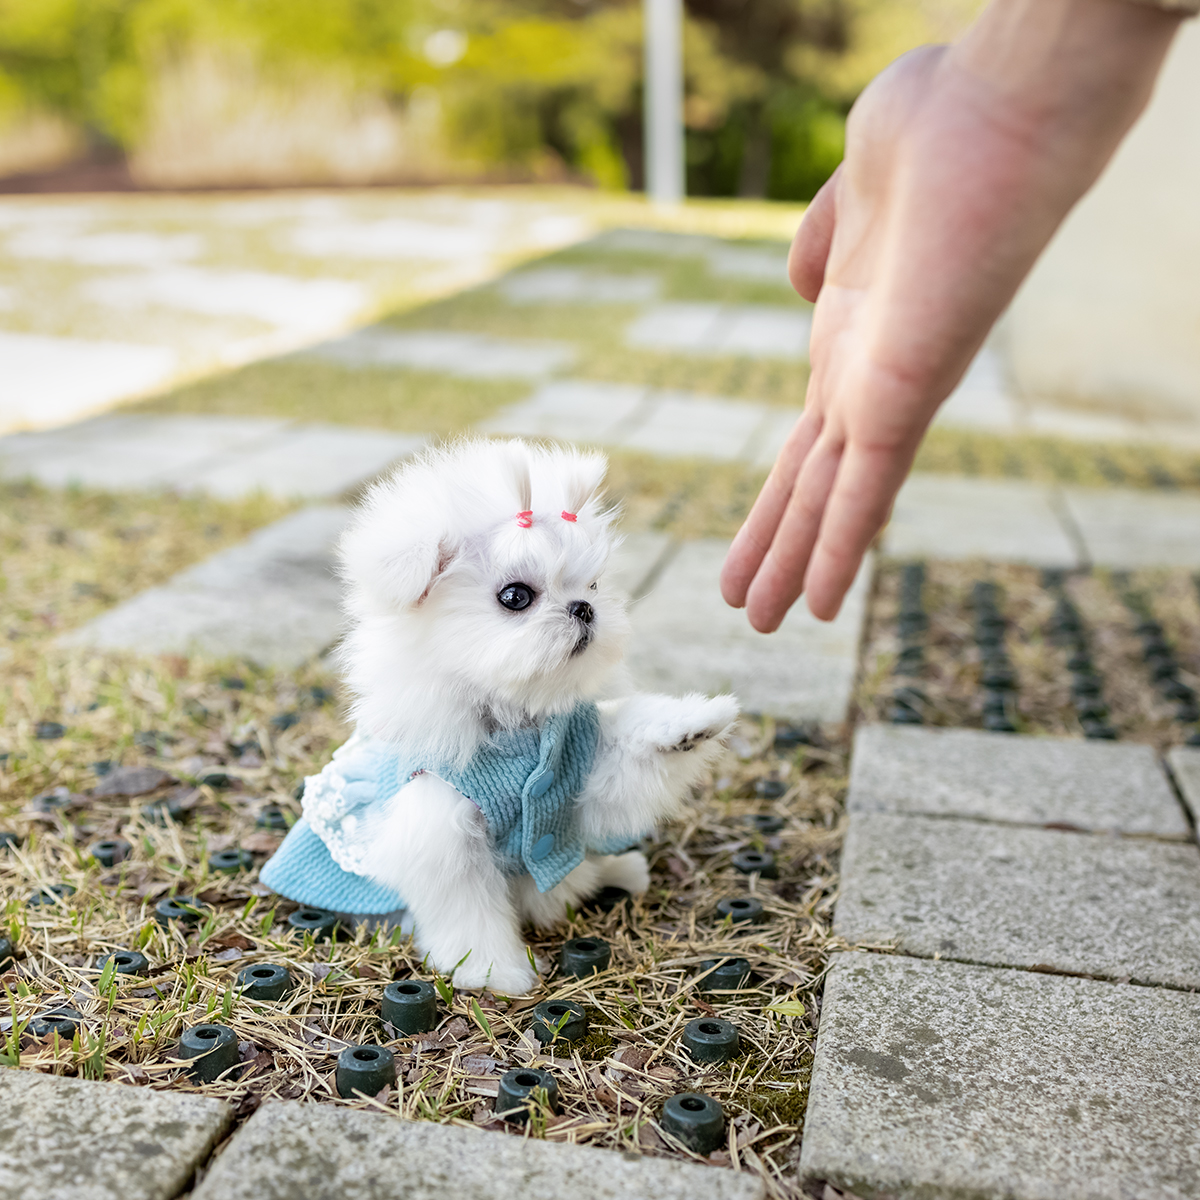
x=434, y=661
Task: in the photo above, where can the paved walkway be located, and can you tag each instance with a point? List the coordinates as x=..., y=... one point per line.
x=1029, y=1036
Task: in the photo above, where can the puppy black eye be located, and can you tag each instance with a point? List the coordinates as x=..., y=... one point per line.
x=516, y=596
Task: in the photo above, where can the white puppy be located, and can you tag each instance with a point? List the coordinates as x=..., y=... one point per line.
x=485, y=786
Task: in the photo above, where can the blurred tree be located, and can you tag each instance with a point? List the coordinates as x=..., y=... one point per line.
x=540, y=86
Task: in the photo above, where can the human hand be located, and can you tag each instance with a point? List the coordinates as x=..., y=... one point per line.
x=960, y=164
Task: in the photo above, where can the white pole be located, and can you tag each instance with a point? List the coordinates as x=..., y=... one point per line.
x=664, y=100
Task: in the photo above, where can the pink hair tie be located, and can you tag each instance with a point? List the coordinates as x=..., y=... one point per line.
x=566, y=516
x=525, y=519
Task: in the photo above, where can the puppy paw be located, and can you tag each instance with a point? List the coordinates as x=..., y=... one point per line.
x=630, y=871
x=697, y=722
x=509, y=979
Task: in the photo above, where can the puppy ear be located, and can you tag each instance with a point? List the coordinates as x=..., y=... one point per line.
x=402, y=575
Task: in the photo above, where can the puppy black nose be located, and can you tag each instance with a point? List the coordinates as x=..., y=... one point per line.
x=581, y=610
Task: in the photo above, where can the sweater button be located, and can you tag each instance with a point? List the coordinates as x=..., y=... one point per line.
x=542, y=783
x=542, y=847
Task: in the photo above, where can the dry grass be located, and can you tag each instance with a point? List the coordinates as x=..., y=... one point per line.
x=190, y=718
x=951, y=680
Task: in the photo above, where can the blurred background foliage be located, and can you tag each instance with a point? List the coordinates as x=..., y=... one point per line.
x=271, y=92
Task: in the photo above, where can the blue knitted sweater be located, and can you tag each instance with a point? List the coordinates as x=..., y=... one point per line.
x=523, y=781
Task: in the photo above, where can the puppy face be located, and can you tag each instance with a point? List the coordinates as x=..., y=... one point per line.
x=477, y=573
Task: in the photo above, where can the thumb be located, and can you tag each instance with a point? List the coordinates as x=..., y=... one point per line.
x=810, y=247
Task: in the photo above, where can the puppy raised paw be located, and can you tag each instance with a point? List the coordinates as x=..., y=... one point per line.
x=696, y=721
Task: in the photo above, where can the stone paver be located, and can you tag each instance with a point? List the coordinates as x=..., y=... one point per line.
x=943, y=517
x=468, y=355
x=636, y=562
x=749, y=262
x=668, y=423
x=73, y=1139
x=573, y=285
x=685, y=638
x=983, y=399
x=273, y=599
x=750, y=330
x=1018, y=780
x=291, y=1151
x=1129, y=529
x=226, y=456
x=1184, y=762
x=1090, y=904
x=653, y=241
x=943, y=1081
x=52, y=379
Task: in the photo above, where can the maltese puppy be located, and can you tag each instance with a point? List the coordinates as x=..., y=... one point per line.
x=487, y=784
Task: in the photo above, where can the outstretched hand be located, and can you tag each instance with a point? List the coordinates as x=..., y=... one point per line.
x=960, y=164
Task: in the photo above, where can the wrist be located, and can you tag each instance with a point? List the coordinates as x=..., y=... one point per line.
x=1069, y=66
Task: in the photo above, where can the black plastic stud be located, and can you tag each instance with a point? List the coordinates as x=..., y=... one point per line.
x=518, y=1089
x=264, y=981
x=565, y=1020
x=9, y=840
x=769, y=789
x=365, y=1069
x=583, y=955
x=185, y=909
x=410, y=1005
x=608, y=898
x=110, y=851
x=163, y=812
x=998, y=722
x=788, y=736
x=1085, y=685
x=7, y=953
x=315, y=921
x=999, y=678
x=764, y=823
x=728, y=976
x=49, y=731
x=127, y=962
x=696, y=1120
x=749, y=861
x=56, y=893
x=212, y=1049
x=1098, y=731
x=55, y=801
x=1091, y=708
x=711, y=1040
x=64, y=1021
x=1081, y=661
x=902, y=714
x=231, y=861
x=740, y=909
x=272, y=817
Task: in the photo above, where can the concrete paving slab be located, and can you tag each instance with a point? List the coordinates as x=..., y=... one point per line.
x=1117, y=908
x=773, y=433
x=273, y=599
x=1128, y=529
x=1098, y=786
x=468, y=355
x=683, y=425
x=686, y=638
x=574, y=410
x=678, y=328
x=757, y=263
x=133, y=452
x=767, y=331
x=1184, y=762
x=308, y=462
x=48, y=380
x=290, y=1151
x=983, y=399
x=749, y=330
x=636, y=562
x=943, y=517
x=574, y=285
x=654, y=241
x=74, y=1139
x=943, y=1081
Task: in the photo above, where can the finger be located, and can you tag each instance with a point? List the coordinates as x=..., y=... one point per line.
x=754, y=538
x=810, y=247
x=859, y=505
x=780, y=579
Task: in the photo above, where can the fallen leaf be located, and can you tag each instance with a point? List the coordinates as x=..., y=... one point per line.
x=262, y=842
x=132, y=781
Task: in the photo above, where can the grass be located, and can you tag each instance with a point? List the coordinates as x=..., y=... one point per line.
x=951, y=679
x=265, y=730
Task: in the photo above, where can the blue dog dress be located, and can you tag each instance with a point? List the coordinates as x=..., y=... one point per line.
x=523, y=781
